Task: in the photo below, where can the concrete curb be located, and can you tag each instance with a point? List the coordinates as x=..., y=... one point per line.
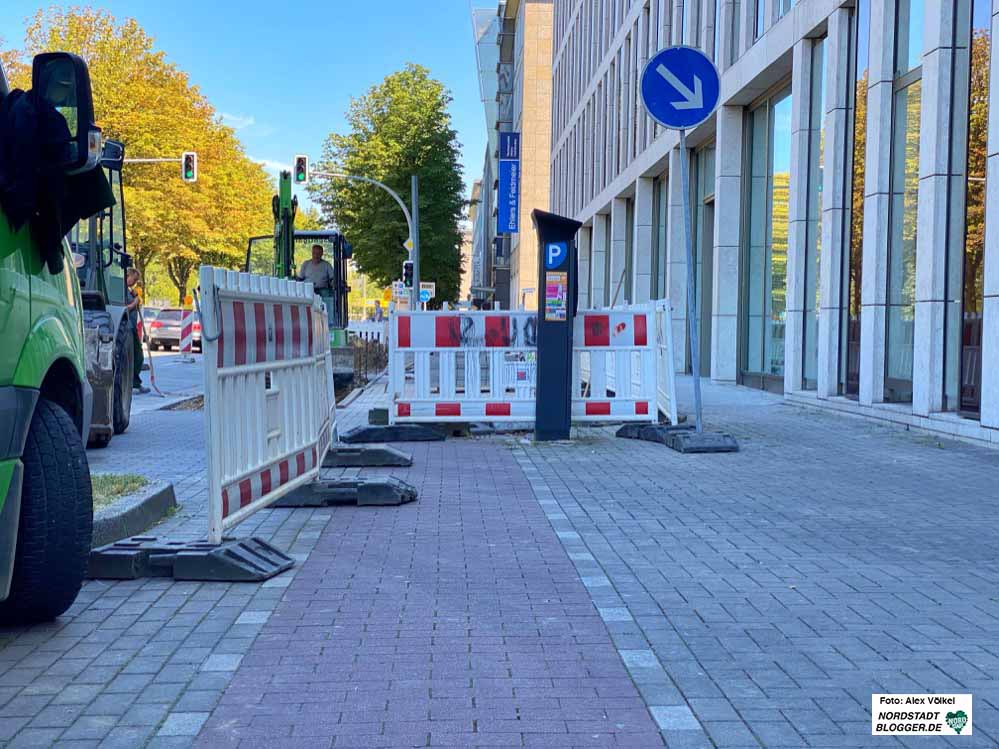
x=134, y=514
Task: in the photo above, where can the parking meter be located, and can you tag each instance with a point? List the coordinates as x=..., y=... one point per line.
x=558, y=285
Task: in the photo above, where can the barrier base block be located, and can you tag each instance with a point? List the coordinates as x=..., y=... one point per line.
x=380, y=492
x=374, y=456
x=235, y=560
x=660, y=433
x=689, y=441
x=396, y=433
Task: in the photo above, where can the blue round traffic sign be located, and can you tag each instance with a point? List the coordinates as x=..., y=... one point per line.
x=680, y=87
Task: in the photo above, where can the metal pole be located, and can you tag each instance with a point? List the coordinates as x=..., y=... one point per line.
x=692, y=327
x=152, y=161
x=415, y=234
x=376, y=183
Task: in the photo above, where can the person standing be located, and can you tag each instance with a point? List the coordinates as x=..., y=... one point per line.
x=135, y=301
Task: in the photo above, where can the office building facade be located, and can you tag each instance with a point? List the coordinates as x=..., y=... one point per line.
x=844, y=213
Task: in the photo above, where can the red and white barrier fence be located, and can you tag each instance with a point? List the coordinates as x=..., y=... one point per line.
x=482, y=366
x=658, y=334
x=269, y=403
x=462, y=366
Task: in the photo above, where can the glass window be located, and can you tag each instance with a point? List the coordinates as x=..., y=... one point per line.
x=659, y=212
x=760, y=12
x=629, y=248
x=607, y=261
x=966, y=241
x=716, y=44
x=782, y=6
x=769, y=142
x=703, y=243
x=907, y=103
x=735, y=50
x=813, y=230
x=855, y=153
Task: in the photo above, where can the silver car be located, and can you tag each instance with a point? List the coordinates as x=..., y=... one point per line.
x=164, y=331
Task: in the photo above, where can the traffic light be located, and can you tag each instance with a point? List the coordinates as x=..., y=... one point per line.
x=407, y=274
x=301, y=170
x=189, y=166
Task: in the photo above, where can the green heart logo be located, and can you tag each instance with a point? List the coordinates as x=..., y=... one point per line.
x=957, y=720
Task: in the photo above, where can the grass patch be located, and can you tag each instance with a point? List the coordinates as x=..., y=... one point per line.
x=110, y=487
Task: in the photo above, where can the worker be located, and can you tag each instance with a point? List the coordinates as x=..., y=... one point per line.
x=318, y=271
x=135, y=301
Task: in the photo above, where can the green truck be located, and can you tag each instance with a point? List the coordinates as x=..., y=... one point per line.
x=46, y=506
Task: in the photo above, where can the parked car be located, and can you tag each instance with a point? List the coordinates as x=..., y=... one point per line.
x=164, y=331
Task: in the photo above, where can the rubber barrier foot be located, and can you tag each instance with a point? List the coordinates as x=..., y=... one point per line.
x=235, y=560
x=682, y=438
x=397, y=433
x=367, y=457
x=380, y=492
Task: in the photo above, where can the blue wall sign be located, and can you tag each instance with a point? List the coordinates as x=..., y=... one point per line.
x=555, y=254
x=508, y=199
x=680, y=87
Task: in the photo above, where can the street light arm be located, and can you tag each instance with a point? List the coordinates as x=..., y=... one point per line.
x=376, y=183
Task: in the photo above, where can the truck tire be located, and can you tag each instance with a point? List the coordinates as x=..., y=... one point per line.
x=121, y=412
x=56, y=525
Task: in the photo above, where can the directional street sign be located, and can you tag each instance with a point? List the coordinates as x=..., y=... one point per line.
x=680, y=87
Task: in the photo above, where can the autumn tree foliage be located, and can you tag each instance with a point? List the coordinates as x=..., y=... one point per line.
x=148, y=103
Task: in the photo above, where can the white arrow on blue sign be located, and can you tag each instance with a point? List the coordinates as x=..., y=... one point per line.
x=424, y=295
x=680, y=87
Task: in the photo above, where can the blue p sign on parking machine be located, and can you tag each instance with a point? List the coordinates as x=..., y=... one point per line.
x=555, y=254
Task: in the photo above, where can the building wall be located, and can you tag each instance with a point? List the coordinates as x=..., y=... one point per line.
x=829, y=194
x=532, y=118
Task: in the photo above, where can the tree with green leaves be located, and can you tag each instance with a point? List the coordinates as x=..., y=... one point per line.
x=400, y=127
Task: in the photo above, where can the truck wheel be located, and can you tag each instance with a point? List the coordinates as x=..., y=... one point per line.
x=56, y=526
x=123, y=364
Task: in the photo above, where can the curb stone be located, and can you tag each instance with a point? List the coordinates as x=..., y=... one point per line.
x=134, y=514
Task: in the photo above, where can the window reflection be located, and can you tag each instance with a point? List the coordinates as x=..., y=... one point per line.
x=769, y=142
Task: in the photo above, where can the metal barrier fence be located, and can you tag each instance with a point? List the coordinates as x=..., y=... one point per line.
x=369, y=330
x=269, y=403
x=462, y=366
x=482, y=366
x=665, y=390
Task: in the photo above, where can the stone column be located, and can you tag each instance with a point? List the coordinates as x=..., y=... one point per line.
x=874, y=286
x=584, y=248
x=676, y=259
x=619, y=245
x=598, y=252
x=728, y=233
x=835, y=202
x=797, y=218
x=641, y=243
x=941, y=173
x=990, y=331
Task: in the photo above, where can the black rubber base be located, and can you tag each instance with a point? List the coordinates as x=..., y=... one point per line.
x=235, y=560
x=651, y=432
x=374, y=456
x=705, y=442
x=397, y=433
x=381, y=492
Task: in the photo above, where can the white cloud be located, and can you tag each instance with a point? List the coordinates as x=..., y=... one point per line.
x=272, y=166
x=238, y=121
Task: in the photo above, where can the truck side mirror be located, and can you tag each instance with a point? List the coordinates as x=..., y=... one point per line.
x=63, y=80
x=125, y=259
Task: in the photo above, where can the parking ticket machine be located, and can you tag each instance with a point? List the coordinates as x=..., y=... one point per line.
x=558, y=279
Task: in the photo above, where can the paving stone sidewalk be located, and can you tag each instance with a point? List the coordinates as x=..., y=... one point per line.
x=778, y=588
x=458, y=620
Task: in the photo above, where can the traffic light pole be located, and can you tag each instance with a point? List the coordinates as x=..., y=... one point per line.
x=414, y=232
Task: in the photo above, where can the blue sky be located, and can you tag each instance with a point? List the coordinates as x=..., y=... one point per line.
x=283, y=74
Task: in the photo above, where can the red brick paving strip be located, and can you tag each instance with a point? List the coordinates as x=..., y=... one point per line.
x=455, y=621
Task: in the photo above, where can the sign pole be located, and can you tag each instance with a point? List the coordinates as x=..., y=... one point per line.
x=692, y=326
x=415, y=231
